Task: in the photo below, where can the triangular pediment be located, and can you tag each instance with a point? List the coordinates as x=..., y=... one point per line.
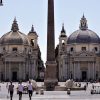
x=14, y=54
x=84, y=54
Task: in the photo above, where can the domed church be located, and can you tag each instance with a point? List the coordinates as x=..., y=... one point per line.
x=20, y=56
x=78, y=56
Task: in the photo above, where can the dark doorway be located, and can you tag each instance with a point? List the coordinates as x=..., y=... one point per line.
x=84, y=75
x=14, y=76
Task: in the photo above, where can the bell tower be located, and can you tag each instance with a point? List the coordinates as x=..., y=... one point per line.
x=33, y=38
x=62, y=40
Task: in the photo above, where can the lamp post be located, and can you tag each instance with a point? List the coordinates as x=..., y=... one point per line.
x=1, y=3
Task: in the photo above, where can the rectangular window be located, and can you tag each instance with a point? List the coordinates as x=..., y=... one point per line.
x=83, y=48
x=71, y=49
x=14, y=49
x=3, y=48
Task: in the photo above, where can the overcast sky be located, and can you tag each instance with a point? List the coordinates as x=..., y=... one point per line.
x=69, y=12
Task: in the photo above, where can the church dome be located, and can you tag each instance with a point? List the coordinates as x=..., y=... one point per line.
x=14, y=37
x=83, y=35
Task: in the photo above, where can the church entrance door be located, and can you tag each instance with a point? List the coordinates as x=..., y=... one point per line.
x=14, y=76
x=84, y=75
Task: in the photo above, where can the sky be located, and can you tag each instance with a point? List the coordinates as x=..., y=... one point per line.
x=69, y=12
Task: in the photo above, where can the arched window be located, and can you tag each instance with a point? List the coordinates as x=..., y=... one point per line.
x=63, y=41
x=71, y=49
x=32, y=42
x=95, y=48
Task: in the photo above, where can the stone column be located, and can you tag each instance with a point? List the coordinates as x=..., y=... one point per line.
x=29, y=69
x=60, y=72
x=93, y=69
x=9, y=71
x=5, y=71
x=24, y=70
x=35, y=71
x=32, y=69
x=19, y=71
x=89, y=64
x=79, y=72
x=74, y=71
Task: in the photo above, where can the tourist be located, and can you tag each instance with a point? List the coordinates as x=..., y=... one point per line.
x=92, y=86
x=87, y=84
x=11, y=90
x=20, y=90
x=30, y=90
x=85, y=87
x=0, y=87
x=7, y=85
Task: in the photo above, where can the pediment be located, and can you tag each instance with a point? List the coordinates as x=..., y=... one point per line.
x=14, y=54
x=84, y=54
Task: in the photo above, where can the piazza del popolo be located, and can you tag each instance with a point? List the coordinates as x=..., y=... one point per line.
x=75, y=57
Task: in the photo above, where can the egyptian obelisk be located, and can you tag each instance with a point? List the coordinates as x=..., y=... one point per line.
x=51, y=65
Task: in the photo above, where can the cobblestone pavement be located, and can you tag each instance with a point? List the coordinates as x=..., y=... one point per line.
x=52, y=95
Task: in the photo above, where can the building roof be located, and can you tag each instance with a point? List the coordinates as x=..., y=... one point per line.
x=83, y=35
x=14, y=37
x=32, y=32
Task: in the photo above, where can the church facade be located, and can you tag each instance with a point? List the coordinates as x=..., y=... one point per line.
x=78, y=56
x=20, y=56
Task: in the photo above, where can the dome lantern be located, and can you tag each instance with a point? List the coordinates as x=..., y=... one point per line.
x=63, y=30
x=15, y=26
x=83, y=35
x=83, y=23
x=32, y=29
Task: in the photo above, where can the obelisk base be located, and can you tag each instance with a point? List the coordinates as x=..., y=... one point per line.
x=51, y=76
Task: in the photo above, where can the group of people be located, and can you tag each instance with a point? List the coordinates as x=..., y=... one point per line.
x=20, y=90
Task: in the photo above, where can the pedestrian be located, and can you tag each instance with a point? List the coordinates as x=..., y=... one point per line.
x=20, y=90
x=0, y=87
x=92, y=86
x=87, y=84
x=7, y=85
x=30, y=89
x=11, y=90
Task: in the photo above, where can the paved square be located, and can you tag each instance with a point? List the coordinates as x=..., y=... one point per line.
x=52, y=95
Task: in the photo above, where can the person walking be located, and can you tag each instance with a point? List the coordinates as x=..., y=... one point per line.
x=11, y=90
x=30, y=89
x=20, y=90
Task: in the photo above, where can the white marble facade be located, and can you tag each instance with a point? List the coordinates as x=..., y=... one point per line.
x=78, y=56
x=20, y=56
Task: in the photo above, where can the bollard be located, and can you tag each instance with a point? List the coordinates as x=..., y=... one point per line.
x=68, y=91
x=92, y=91
x=37, y=92
x=41, y=91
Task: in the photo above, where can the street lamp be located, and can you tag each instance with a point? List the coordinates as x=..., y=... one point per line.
x=1, y=4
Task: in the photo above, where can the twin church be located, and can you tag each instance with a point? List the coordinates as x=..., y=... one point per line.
x=77, y=56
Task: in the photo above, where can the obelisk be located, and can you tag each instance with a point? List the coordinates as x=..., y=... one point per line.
x=51, y=65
